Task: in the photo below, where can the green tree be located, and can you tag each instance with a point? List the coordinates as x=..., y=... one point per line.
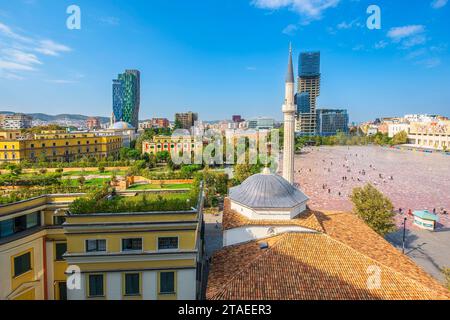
x=178, y=125
x=81, y=180
x=15, y=170
x=374, y=208
x=244, y=171
x=146, y=136
x=400, y=138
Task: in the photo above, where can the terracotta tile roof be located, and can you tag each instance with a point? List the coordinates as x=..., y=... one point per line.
x=300, y=266
x=232, y=219
x=330, y=265
x=363, y=239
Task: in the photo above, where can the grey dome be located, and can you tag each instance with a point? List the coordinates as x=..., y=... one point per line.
x=122, y=125
x=267, y=191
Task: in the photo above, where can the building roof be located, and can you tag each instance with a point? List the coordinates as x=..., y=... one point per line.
x=122, y=125
x=267, y=191
x=333, y=264
x=426, y=215
x=232, y=220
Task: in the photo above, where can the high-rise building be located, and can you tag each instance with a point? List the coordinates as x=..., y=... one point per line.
x=308, y=86
x=15, y=121
x=186, y=120
x=127, y=97
x=330, y=122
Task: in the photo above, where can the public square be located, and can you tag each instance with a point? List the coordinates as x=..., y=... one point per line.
x=412, y=180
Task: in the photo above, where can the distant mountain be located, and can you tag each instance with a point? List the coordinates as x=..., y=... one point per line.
x=59, y=117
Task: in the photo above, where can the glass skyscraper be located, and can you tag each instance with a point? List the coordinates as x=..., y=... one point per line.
x=330, y=122
x=309, y=64
x=303, y=102
x=308, y=88
x=127, y=97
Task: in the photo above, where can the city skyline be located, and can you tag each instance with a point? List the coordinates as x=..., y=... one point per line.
x=233, y=66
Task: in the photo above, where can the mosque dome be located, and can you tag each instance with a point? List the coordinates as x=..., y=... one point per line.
x=122, y=125
x=267, y=191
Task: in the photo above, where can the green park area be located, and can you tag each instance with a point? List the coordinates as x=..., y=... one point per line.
x=162, y=186
x=103, y=201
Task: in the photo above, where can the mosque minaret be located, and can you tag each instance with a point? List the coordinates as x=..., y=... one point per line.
x=269, y=196
x=289, y=123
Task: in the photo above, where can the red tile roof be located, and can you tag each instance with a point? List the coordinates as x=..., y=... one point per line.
x=333, y=264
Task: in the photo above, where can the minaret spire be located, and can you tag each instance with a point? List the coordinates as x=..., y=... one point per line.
x=289, y=123
x=290, y=71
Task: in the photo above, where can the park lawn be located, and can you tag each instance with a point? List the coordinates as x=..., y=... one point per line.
x=93, y=173
x=98, y=182
x=140, y=187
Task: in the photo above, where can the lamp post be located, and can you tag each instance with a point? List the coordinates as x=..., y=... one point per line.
x=404, y=234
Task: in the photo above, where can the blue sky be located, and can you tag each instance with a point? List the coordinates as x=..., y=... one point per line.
x=221, y=57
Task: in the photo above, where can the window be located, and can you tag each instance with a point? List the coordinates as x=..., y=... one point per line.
x=33, y=220
x=62, y=287
x=20, y=224
x=22, y=264
x=132, y=284
x=132, y=244
x=60, y=250
x=167, y=243
x=58, y=220
x=96, y=286
x=6, y=228
x=167, y=283
x=95, y=245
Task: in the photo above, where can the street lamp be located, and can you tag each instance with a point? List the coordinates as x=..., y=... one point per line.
x=404, y=234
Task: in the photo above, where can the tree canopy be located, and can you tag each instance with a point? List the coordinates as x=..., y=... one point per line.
x=374, y=208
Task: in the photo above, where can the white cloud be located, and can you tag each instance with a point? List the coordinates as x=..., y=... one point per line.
x=408, y=36
x=14, y=66
x=430, y=63
x=61, y=81
x=381, y=44
x=399, y=33
x=8, y=32
x=290, y=29
x=437, y=4
x=311, y=9
x=51, y=48
x=348, y=25
x=110, y=21
x=20, y=54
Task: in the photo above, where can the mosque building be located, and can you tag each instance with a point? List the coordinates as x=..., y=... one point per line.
x=276, y=248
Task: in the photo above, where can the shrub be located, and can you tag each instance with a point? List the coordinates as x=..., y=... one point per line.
x=98, y=203
x=374, y=208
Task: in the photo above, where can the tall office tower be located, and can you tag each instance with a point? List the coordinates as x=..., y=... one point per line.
x=186, y=120
x=308, y=84
x=127, y=97
x=330, y=122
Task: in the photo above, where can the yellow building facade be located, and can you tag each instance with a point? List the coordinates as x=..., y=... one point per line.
x=433, y=135
x=128, y=256
x=58, y=146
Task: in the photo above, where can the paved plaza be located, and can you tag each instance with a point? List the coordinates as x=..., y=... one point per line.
x=412, y=180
